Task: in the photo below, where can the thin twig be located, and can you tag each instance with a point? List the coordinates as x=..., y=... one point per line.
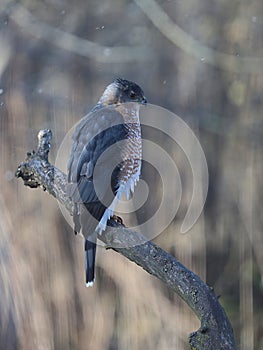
x=70, y=42
x=232, y=63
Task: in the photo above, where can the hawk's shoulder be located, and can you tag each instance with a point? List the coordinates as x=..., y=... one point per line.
x=93, y=135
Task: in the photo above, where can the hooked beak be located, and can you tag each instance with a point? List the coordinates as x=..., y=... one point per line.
x=144, y=101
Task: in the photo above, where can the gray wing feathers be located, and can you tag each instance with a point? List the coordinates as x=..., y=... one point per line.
x=93, y=135
x=89, y=141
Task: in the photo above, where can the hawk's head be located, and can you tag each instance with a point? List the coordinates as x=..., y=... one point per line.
x=121, y=91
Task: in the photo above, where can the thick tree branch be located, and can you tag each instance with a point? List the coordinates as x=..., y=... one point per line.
x=215, y=331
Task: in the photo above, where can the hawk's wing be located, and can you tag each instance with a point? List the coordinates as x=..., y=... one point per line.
x=93, y=136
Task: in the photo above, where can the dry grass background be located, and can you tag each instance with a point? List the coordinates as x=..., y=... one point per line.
x=44, y=303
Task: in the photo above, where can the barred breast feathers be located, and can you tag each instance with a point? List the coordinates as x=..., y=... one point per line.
x=131, y=167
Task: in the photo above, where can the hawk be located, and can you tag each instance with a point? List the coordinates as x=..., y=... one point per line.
x=105, y=162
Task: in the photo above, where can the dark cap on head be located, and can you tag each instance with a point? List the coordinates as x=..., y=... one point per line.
x=121, y=91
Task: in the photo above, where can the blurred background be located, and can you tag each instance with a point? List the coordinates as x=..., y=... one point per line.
x=202, y=60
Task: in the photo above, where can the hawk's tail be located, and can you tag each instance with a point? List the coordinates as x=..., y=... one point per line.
x=90, y=254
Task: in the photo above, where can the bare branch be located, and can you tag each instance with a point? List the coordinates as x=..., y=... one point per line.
x=70, y=42
x=232, y=63
x=215, y=331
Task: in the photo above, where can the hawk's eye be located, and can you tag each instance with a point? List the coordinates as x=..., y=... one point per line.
x=132, y=94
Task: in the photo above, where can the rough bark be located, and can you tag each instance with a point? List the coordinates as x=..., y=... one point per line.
x=215, y=331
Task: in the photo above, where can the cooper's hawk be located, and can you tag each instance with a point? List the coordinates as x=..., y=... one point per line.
x=105, y=161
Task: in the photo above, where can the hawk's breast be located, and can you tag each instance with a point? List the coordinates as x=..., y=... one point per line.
x=130, y=169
